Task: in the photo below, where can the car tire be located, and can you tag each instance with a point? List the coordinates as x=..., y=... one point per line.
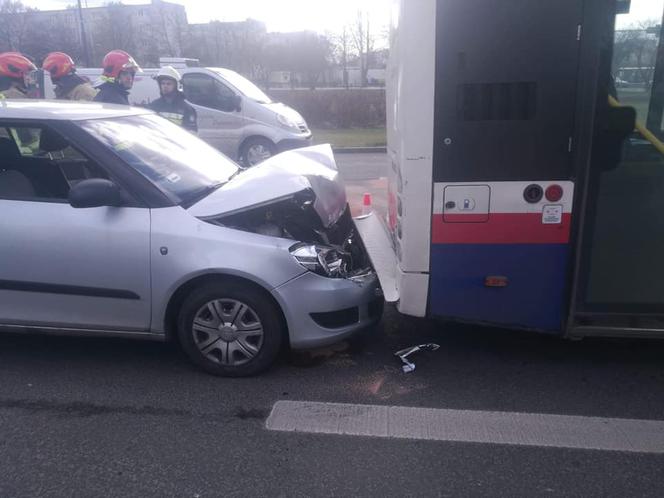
x=256, y=150
x=230, y=329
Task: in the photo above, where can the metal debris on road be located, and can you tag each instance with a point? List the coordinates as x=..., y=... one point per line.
x=408, y=366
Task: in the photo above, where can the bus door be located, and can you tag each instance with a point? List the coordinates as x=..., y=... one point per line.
x=506, y=78
x=620, y=278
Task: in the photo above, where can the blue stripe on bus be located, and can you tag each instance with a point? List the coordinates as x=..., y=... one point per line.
x=533, y=298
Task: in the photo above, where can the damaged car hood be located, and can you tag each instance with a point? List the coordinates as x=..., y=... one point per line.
x=281, y=176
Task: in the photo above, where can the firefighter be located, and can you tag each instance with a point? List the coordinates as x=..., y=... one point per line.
x=68, y=85
x=14, y=70
x=172, y=104
x=120, y=68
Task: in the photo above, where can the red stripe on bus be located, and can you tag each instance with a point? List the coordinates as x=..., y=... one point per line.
x=500, y=228
x=466, y=218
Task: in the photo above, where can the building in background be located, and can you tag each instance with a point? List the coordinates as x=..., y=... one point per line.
x=146, y=31
x=161, y=29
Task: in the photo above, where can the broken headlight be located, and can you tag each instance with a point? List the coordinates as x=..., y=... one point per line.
x=324, y=260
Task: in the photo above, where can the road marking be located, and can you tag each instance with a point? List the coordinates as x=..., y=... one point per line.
x=526, y=429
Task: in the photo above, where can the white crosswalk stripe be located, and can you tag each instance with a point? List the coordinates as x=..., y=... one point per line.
x=528, y=429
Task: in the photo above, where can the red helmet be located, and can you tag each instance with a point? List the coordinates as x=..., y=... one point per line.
x=117, y=61
x=58, y=64
x=14, y=65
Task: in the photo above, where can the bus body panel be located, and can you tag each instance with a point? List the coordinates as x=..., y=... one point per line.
x=504, y=121
x=536, y=201
x=410, y=120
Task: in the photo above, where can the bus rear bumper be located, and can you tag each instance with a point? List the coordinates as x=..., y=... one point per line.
x=378, y=243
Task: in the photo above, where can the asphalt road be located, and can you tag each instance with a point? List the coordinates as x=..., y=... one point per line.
x=360, y=167
x=102, y=417
x=364, y=173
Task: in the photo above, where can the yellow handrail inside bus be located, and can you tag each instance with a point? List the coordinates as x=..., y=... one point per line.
x=647, y=134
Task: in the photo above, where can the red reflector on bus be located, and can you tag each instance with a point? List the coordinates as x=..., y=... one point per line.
x=495, y=281
x=554, y=193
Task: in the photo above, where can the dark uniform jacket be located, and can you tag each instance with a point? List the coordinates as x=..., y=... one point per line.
x=178, y=111
x=112, y=93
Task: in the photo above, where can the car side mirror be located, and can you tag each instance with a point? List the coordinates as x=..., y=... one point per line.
x=237, y=101
x=95, y=192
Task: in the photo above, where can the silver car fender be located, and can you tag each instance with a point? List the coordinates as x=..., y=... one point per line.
x=184, y=248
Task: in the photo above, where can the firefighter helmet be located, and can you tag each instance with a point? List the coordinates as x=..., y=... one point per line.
x=58, y=65
x=117, y=61
x=16, y=66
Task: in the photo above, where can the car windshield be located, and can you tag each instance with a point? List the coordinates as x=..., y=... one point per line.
x=179, y=163
x=244, y=86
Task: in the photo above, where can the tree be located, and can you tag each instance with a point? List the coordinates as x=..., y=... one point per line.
x=343, y=51
x=66, y=39
x=305, y=55
x=38, y=40
x=363, y=41
x=14, y=24
x=635, y=47
x=312, y=57
x=115, y=32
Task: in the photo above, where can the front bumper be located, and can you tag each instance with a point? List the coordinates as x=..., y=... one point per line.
x=295, y=143
x=321, y=311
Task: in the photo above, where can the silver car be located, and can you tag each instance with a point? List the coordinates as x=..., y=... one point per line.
x=117, y=222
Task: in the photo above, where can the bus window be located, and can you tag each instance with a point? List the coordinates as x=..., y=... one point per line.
x=625, y=233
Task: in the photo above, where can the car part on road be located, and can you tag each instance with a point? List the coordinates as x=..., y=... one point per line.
x=404, y=353
x=230, y=329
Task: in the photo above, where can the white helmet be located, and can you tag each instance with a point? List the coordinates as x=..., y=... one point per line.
x=168, y=72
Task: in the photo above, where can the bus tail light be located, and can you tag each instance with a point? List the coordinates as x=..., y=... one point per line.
x=495, y=281
x=554, y=193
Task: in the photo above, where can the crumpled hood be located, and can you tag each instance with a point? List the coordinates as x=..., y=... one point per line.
x=281, y=176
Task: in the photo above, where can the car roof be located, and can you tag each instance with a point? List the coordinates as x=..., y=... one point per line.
x=64, y=110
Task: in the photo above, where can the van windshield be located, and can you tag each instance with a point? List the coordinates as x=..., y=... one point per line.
x=244, y=86
x=179, y=163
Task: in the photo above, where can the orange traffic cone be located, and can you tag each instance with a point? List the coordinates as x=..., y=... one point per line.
x=366, y=204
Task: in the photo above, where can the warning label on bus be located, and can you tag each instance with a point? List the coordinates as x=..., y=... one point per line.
x=552, y=215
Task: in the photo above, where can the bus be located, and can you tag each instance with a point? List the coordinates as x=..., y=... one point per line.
x=525, y=191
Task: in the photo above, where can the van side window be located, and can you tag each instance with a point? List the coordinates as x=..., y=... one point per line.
x=206, y=91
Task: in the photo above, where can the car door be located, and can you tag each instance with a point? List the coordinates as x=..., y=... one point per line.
x=220, y=119
x=60, y=266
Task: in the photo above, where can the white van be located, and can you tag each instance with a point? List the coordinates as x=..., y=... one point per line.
x=234, y=115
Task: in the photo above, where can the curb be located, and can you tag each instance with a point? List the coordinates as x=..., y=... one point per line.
x=360, y=150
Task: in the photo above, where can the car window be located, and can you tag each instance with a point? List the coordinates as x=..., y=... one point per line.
x=206, y=91
x=27, y=140
x=244, y=86
x=179, y=163
x=39, y=164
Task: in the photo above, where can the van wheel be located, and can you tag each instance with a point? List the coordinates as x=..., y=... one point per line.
x=230, y=329
x=256, y=150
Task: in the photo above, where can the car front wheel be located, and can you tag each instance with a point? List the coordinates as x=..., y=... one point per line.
x=230, y=329
x=256, y=150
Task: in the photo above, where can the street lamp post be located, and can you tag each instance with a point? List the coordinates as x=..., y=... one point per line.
x=84, y=39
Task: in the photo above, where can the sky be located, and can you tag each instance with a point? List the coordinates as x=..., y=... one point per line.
x=641, y=10
x=278, y=15
x=316, y=15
